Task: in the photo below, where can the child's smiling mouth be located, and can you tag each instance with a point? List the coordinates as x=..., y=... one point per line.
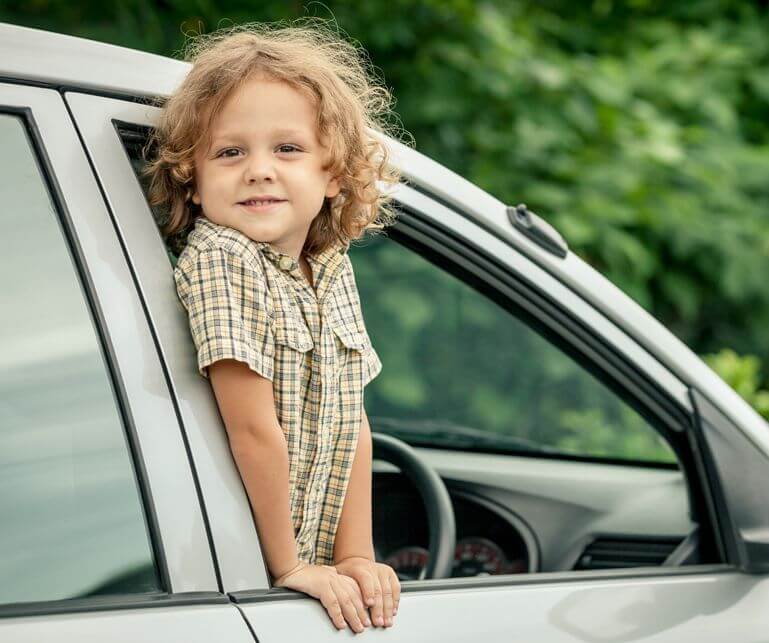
x=260, y=205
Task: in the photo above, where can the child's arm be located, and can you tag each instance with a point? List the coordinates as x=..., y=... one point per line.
x=247, y=406
x=353, y=544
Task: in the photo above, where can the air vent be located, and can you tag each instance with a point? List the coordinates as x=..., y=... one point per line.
x=614, y=553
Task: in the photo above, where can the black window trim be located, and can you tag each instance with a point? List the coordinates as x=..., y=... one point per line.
x=110, y=602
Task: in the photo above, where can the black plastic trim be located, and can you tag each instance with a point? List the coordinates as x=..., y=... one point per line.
x=105, y=343
x=143, y=99
x=110, y=603
x=712, y=497
x=738, y=471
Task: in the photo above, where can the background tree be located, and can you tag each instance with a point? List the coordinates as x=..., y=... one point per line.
x=639, y=128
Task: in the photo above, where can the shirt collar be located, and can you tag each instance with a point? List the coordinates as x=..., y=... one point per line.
x=326, y=265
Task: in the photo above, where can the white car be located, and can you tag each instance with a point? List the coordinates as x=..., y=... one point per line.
x=575, y=473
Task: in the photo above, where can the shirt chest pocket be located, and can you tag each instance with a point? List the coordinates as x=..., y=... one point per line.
x=291, y=332
x=350, y=337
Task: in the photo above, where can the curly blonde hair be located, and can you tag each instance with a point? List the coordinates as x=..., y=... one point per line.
x=353, y=110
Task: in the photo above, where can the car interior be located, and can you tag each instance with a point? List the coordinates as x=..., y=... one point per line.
x=550, y=463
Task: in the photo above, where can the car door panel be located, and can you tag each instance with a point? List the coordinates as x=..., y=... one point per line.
x=704, y=607
x=157, y=624
x=124, y=324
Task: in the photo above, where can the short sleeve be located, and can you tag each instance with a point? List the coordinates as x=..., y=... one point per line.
x=227, y=304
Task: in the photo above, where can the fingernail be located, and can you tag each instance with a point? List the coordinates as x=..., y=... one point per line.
x=389, y=622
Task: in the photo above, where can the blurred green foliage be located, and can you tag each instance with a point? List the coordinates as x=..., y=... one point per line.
x=639, y=128
x=743, y=375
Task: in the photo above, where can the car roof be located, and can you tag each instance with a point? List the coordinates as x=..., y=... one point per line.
x=54, y=58
x=73, y=63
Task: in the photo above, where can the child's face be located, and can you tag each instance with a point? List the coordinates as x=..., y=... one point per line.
x=264, y=142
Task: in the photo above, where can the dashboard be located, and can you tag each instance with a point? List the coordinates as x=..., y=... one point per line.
x=487, y=544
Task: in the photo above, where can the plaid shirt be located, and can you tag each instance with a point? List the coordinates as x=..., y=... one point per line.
x=248, y=302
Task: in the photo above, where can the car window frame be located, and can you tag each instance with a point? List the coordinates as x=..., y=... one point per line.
x=575, y=318
x=180, y=548
x=666, y=400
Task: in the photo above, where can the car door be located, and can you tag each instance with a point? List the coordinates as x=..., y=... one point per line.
x=698, y=602
x=102, y=533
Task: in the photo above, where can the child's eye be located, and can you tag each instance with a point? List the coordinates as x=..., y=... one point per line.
x=293, y=147
x=224, y=152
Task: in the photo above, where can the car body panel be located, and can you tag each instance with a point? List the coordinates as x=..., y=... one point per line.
x=705, y=607
x=158, y=624
x=496, y=477
x=61, y=60
x=240, y=561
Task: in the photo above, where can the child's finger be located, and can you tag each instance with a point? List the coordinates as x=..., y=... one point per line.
x=377, y=607
x=358, y=598
x=332, y=605
x=347, y=598
x=387, y=599
x=369, y=585
x=395, y=585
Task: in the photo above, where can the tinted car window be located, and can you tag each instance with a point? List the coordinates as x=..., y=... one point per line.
x=71, y=519
x=461, y=371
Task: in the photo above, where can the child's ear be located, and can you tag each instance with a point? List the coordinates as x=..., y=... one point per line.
x=333, y=187
x=195, y=198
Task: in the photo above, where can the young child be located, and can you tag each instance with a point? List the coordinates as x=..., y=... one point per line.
x=268, y=162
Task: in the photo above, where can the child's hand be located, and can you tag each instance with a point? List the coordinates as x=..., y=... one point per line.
x=339, y=594
x=379, y=585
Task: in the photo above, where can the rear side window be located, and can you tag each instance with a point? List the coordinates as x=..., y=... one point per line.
x=71, y=518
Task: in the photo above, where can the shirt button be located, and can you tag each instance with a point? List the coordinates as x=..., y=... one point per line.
x=286, y=263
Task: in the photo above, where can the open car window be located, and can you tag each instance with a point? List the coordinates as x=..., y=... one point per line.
x=462, y=372
x=464, y=375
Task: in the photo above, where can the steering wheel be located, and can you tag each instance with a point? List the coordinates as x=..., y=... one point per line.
x=440, y=513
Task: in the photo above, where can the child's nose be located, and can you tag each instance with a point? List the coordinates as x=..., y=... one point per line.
x=259, y=167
